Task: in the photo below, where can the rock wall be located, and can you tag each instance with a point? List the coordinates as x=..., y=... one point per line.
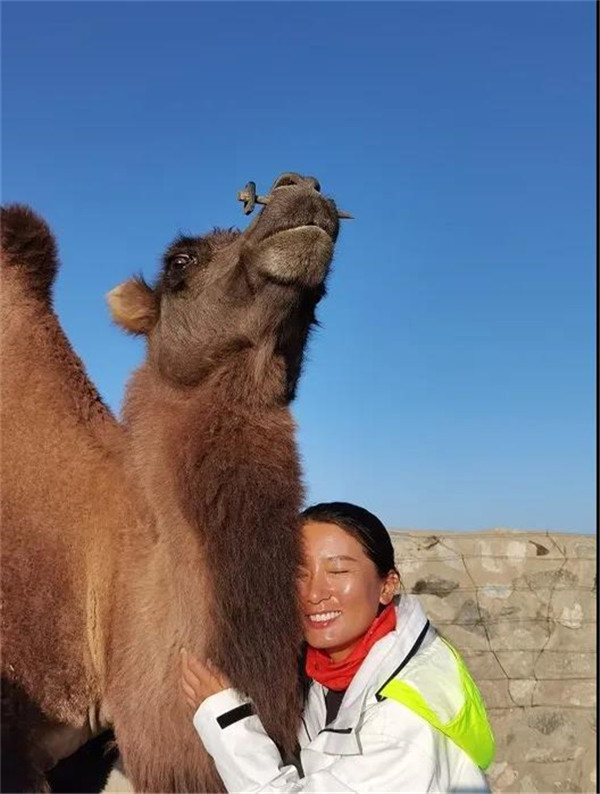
x=521, y=608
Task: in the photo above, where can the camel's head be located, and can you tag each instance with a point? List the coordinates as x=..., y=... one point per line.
x=232, y=294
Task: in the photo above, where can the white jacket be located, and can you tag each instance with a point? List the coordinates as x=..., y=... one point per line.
x=371, y=746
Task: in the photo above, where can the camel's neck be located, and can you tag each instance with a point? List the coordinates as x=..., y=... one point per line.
x=172, y=430
x=251, y=377
x=223, y=480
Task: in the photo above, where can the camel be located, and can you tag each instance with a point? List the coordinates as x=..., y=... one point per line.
x=124, y=542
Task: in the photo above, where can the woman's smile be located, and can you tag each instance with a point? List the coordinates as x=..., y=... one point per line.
x=321, y=620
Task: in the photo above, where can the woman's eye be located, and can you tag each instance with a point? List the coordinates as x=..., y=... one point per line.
x=344, y=571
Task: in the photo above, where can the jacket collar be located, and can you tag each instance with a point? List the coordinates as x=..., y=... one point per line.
x=380, y=663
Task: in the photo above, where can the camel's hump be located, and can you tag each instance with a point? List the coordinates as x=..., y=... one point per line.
x=28, y=243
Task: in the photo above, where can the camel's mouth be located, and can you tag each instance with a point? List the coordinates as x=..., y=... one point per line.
x=303, y=228
x=295, y=209
x=297, y=255
x=321, y=221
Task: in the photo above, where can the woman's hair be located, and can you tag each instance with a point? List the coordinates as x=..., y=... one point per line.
x=361, y=524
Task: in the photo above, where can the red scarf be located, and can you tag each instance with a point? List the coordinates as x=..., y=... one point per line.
x=337, y=675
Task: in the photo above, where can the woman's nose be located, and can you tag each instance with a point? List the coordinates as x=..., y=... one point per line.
x=315, y=589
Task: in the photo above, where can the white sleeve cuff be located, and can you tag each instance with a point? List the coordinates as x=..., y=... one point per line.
x=246, y=758
x=218, y=707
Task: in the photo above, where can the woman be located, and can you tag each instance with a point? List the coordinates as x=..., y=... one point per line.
x=391, y=707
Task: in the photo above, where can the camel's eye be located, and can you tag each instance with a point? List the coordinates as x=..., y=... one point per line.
x=176, y=267
x=185, y=259
x=181, y=260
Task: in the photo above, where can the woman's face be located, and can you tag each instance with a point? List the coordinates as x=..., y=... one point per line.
x=340, y=589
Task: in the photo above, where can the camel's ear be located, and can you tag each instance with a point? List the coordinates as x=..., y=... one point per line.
x=134, y=306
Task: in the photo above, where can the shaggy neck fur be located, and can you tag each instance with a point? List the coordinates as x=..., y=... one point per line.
x=229, y=460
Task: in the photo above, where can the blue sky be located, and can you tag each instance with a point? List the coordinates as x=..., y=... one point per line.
x=451, y=386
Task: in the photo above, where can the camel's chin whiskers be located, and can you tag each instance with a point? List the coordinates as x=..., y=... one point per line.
x=301, y=255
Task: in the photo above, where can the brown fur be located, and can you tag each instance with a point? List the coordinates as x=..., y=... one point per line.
x=27, y=245
x=60, y=453
x=179, y=529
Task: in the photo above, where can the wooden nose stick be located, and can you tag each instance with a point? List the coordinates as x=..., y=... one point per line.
x=249, y=198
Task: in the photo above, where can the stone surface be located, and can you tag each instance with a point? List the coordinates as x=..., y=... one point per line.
x=565, y=693
x=565, y=664
x=563, y=638
x=521, y=691
x=521, y=609
x=525, y=634
x=518, y=664
x=484, y=665
x=547, y=749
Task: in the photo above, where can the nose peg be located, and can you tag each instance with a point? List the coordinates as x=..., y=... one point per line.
x=249, y=197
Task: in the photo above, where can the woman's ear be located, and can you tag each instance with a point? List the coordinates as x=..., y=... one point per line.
x=134, y=306
x=390, y=587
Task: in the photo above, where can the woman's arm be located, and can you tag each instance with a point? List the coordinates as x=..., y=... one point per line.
x=248, y=761
x=399, y=751
x=219, y=708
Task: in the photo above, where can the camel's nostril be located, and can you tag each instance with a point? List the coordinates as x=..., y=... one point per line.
x=290, y=178
x=285, y=180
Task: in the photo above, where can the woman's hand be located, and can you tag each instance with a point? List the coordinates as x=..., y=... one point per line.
x=198, y=680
